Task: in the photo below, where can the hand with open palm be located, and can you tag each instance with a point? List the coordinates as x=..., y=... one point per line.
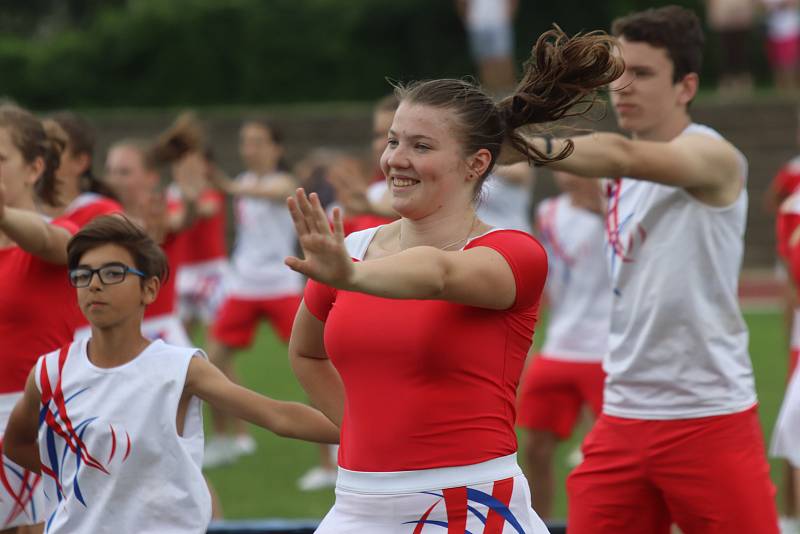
x=326, y=259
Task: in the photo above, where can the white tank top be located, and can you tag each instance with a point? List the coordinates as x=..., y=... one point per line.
x=505, y=205
x=578, y=285
x=487, y=13
x=264, y=237
x=112, y=459
x=678, y=343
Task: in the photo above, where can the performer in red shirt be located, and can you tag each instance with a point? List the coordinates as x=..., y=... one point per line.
x=38, y=310
x=416, y=348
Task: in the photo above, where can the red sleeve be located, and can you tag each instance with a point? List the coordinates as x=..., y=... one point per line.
x=785, y=225
x=786, y=181
x=84, y=215
x=319, y=299
x=793, y=260
x=527, y=259
x=66, y=224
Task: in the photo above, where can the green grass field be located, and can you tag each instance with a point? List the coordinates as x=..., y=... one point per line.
x=264, y=485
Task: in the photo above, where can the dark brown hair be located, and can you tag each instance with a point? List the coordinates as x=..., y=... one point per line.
x=81, y=137
x=143, y=147
x=36, y=139
x=119, y=230
x=559, y=80
x=275, y=134
x=184, y=135
x=673, y=28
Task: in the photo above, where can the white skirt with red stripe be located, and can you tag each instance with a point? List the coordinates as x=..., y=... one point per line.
x=22, y=500
x=487, y=498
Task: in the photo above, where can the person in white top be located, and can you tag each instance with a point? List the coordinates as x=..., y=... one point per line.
x=120, y=440
x=489, y=25
x=506, y=198
x=567, y=373
x=679, y=439
x=258, y=285
x=783, y=41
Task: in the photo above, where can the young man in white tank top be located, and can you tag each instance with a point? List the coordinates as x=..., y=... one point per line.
x=121, y=436
x=679, y=439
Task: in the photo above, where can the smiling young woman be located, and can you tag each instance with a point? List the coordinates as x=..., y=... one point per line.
x=412, y=335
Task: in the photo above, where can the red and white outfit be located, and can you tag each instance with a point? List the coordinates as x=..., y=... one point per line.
x=786, y=435
x=38, y=312
x=783, y=34
x=161, y=319
x=787, y=180
x=88, y=206
x=447, y=374
x=200, y=275
x=112, y=458
x=679, y=438
x=568, y=371
x=787, y=221
x=259, y=284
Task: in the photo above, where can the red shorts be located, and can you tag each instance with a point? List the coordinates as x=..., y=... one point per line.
x=553, y=392
x=708, y=475
x=793, y=356
x=784, y=53
x=237, y=319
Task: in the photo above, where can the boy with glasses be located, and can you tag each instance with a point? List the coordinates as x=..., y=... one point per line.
x=120, y=435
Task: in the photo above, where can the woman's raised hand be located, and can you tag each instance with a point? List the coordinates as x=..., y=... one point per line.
x=325, y=256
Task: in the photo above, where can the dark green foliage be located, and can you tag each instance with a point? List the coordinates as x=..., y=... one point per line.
x=204, y=52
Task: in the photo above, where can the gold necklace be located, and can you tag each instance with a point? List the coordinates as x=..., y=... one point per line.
x=442, y=247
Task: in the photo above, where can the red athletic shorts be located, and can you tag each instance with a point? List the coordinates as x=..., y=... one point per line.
x=784, y=53
x=553, y=392
x=708, y=475
x=793, y=356
x=237, y=319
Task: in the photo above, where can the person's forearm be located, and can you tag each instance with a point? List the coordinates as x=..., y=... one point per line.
x=599, y=154
x=322, y=384
x=272, y=191
x=35, y=235
x=25, y=454
x=298, y=421
x=288, y=419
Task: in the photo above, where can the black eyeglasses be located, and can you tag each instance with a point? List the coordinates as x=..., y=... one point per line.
x=110, y=273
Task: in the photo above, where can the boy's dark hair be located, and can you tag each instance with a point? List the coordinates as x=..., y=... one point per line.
x=118, y=230
x=673, y=28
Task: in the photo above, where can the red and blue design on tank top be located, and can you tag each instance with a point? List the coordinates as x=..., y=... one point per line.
x=54, y=414
x=457, y=504
x=20, y=485
x=547, y=227
x=620, y=252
